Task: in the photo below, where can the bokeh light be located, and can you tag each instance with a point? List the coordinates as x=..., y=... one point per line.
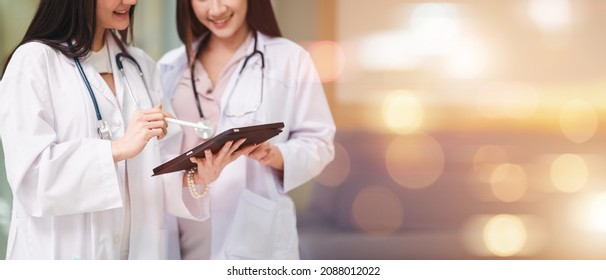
x=569, y=173
x=402, y=112
x=435, y=26
x=578, y=120
x=414, y=161
x=598, y=212
x=468, y=59
x=329, y=59
x=505, y=235
x=337, y=171
x=377, y=211
x=389, y=50
x=431, y=29
x=550, y=15
x=585, y=211
x=509, y=182
x=486, y=159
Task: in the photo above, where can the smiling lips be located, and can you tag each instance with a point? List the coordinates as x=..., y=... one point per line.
x=221, y=21
x=121, y=13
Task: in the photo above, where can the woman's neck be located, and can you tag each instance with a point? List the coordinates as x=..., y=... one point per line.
x=232, y=43
x=99, y=40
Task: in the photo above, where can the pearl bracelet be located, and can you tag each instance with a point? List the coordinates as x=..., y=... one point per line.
x=191, y=184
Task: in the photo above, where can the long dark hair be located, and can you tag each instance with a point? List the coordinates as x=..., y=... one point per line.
x=57, y=21
x=259, y=17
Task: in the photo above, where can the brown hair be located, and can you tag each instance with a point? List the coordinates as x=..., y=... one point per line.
x=259, y=17
x=57, y=21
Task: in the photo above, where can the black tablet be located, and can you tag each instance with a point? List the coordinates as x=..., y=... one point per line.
x=255, y=134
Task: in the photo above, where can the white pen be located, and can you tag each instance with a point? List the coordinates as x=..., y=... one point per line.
x=191, y=124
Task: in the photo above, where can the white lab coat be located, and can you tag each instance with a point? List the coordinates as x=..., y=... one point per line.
x=69, y=195
x=293, y=94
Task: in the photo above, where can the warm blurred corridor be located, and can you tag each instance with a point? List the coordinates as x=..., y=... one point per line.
x=467, y=129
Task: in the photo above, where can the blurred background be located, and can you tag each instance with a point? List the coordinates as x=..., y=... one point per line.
x=466, y=129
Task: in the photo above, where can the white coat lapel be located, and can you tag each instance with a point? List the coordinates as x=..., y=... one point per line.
x=114, y=49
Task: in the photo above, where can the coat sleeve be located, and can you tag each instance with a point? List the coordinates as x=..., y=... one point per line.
x=177, y=200
x=49, y=177
x=310, y=146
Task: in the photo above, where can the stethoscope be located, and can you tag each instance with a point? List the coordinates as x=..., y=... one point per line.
x=103, y=129
x=206, y=133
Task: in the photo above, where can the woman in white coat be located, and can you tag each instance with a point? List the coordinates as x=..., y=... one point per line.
x=235, y=70
x=79, y=194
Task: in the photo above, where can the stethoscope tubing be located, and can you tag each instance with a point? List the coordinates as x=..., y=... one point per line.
x=119, y=63
x=103, y=129
x=246, y=60
x=88, y=87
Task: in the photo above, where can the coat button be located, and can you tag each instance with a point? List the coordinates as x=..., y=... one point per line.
x=116, y=239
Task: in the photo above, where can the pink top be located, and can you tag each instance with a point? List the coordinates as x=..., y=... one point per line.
x=184, y=101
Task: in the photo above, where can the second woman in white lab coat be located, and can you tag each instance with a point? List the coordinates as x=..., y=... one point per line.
x=77, y=196
x=252, y=216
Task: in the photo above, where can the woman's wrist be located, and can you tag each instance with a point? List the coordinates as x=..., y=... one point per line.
x=193, y=187
x=117, y=153
x=277, y=161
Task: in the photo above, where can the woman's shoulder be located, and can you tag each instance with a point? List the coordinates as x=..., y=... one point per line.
x=34, y=46
x=34, y=50
x=36, y=61
x=32, y=57
x=284, y=45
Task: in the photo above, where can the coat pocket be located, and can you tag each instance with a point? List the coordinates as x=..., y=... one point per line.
x=253, y=230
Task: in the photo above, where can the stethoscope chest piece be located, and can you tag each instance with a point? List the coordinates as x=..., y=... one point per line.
x=205, y=133
x=103, y=130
